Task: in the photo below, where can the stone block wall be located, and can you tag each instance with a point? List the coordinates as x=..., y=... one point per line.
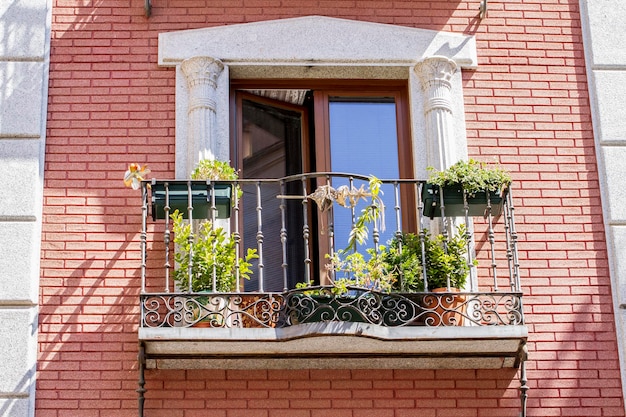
x=606, y=69
x=24, y=60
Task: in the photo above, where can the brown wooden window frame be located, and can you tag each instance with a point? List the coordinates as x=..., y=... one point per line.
x=324, y=92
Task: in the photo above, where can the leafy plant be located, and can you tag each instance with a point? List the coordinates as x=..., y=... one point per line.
x=353, y=269
x=212, y=169
x=373, y=214
x=446, y=259
x=325, y=195
x=208, y=169
x=210, y=252
x=405, y=262
x=472, y=175
x=399, y=266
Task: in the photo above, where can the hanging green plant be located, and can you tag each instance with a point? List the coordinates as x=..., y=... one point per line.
x=212, y=169
x=472, y=175
x=203, y=194
x=481, y=183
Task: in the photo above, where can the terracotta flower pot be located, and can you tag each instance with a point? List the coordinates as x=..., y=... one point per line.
x=258, y=310
x=444, y=310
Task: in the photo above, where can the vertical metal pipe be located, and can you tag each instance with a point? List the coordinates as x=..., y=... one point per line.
x=516, y=277
x=469, y=238
x=422, y=233
x=444, y=231
x=352, y=207
x=283, y=233
x=509, y=243
x=211, y=190
x=306, y=232
x=211, y=193
x=375, y=231
x=396, y=207
x=191, y=236
x=141, y=390
x=166, y=237
x=331, y=231
x=144, y=233
x=523, y=387
x=398, y=232
x=259, y=234
x=236, y=235
x=492, y=243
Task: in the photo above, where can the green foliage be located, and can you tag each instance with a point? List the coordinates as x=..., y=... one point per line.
x=399, y=266
x=474, y=176
x=372, y=214
x=212, y=250
x=353, y=269
x=405, y=262
x=447, y=259
x=214, y=170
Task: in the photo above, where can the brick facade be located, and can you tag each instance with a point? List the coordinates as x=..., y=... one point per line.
x=526, y=105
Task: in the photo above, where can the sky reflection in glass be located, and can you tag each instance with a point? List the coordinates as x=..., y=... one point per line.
x=363, y=139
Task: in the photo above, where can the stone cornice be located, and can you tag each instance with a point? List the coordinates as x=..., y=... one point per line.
x=316, y=41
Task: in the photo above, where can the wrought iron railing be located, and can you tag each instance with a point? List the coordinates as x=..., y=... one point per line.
x=292, y=231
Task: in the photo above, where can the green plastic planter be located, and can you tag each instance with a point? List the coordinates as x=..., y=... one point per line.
x=453, y=201
x=201, y=199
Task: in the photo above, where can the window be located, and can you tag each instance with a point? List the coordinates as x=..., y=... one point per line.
x=326, y=127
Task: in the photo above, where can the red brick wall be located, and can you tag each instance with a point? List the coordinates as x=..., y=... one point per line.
x=526, y=104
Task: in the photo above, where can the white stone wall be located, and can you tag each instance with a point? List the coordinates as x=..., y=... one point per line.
x=24, y=62
x=604, y=37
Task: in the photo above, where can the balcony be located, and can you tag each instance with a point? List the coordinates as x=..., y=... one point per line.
x=296, y=311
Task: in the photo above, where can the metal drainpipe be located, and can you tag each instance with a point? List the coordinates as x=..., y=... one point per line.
x=141, y=358
x=523, y=381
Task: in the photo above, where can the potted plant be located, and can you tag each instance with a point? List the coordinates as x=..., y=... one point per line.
x=404, y=260
x=352, y=275
x=209, y=253
x=217, y=186
x=445, y=263
x=356, y=281
x=207, y=262
x=476, y=182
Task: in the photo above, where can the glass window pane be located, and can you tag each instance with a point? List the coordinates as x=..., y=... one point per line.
x=363, y=140
x=271, y=144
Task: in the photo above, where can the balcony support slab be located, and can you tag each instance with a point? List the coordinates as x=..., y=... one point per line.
x=335, y=345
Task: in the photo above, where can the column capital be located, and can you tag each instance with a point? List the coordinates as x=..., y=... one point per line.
x=202, y=69
x=436, y=68
x=435, y=74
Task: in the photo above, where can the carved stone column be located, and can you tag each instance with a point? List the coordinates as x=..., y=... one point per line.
x=435, y=74
x=202, y=74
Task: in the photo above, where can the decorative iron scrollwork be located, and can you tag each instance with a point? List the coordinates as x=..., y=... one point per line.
x=211, y=310
x=320, y=304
